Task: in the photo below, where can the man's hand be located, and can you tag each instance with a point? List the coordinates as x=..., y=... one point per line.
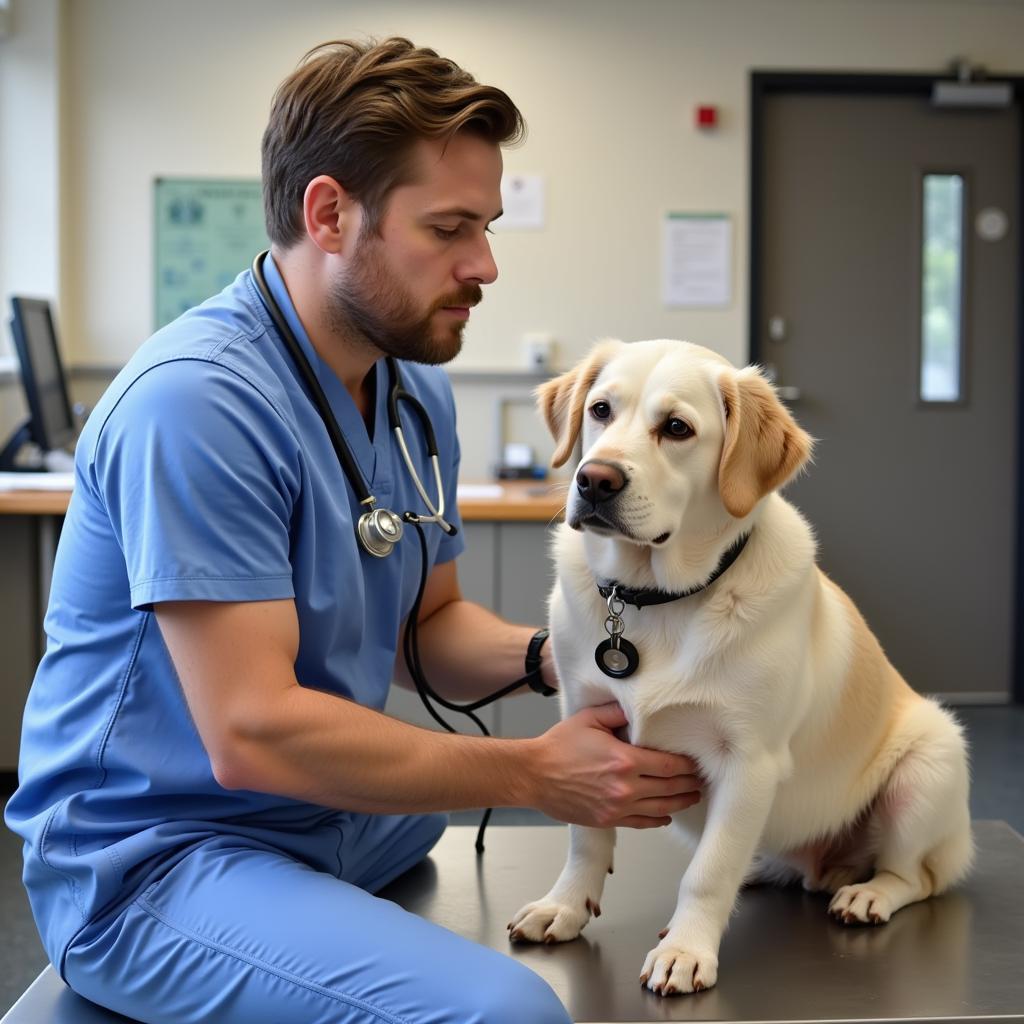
x=588, y=777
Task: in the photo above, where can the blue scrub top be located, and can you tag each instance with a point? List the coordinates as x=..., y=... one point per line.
x=205, y=473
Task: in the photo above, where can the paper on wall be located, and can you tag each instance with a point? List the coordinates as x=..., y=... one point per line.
x=697, y=259
x=522, y=199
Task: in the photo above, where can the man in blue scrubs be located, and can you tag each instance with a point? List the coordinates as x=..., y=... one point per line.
x=209, y=791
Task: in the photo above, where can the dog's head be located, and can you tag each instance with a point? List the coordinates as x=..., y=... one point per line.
x=675, y=439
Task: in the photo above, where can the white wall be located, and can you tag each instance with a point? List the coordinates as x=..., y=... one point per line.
x=30, y=241
x=607, y=86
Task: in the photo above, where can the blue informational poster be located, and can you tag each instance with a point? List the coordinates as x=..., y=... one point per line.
x=207, y=231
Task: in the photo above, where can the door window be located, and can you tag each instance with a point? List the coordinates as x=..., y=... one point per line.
x=942, y=287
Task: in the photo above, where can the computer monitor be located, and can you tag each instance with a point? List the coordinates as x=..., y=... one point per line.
x=51, y=423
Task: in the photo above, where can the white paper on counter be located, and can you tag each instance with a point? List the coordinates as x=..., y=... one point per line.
x=468, y=491
x=37, y=481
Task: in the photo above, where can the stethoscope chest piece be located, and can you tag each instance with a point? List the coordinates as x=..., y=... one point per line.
x=379, y=531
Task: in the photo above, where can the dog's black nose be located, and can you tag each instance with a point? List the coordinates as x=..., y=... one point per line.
x=599, y=481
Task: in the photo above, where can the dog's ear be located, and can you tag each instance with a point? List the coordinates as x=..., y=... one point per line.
x=764, y=446
x=561, y=399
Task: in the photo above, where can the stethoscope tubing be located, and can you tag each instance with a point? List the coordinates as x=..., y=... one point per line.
x=341, y=449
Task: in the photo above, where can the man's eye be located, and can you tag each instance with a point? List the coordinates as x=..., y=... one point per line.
x=445, y=235
x=600, y=410
x=678, y=429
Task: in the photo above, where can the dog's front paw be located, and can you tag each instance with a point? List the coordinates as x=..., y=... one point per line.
x=670, y=969
x=547, y=920
x=860, y=904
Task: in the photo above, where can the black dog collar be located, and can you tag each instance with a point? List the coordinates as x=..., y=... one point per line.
x=640, y=597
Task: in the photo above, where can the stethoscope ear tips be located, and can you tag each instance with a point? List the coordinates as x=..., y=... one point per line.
x=379, y=531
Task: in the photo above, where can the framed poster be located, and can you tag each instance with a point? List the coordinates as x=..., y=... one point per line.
x=207, y=230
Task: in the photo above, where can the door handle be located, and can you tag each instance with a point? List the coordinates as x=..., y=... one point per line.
x=785, y=392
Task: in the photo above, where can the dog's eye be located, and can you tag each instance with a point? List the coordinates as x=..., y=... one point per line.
x=600, y=410
x=678, y=429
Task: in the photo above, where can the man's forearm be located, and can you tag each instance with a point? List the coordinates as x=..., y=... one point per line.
x=266, y=732
x=467, y=652
x=323, y=749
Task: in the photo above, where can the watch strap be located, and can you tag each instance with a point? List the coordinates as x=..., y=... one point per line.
x=534, y=678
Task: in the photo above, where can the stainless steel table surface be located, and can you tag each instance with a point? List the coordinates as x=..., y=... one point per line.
x=959, y=957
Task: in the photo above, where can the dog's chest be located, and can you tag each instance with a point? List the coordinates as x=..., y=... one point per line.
x=678, y=697
x=671, y=654
x=664, y=711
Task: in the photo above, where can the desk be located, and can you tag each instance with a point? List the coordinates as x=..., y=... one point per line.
x=520, y=501
x=524, y=501
x=34, y=503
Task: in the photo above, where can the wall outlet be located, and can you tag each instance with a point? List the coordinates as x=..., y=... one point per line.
x=539, y=351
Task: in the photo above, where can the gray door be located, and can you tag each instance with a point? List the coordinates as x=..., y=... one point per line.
x=913, y=501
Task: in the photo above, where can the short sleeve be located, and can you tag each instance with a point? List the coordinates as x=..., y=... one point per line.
x=199, y=475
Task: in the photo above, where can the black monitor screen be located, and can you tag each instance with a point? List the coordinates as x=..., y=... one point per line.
x=42, y=374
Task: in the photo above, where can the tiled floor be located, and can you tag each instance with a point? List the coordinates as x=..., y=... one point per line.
x=997, y=743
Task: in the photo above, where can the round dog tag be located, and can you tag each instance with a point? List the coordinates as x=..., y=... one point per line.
x=617, y=661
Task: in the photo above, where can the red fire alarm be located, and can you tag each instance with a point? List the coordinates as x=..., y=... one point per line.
x=707, y=116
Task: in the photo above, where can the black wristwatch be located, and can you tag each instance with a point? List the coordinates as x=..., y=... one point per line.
x=535, y=679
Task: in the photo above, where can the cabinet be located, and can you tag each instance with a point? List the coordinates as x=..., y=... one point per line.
x=19, y=629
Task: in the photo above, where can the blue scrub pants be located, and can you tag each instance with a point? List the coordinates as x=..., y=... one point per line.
x=240, y=931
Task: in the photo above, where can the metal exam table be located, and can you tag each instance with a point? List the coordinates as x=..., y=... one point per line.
x=956, y=958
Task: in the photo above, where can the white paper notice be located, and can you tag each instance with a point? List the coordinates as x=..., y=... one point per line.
x=697, y=259
x=522, y=199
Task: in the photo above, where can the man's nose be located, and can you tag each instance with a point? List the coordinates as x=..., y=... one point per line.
x=598, y=481
x=479, y=268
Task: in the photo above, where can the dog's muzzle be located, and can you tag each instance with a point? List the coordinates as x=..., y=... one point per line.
x=598, y=483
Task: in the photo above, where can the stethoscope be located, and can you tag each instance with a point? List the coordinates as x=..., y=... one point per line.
x=378, y=529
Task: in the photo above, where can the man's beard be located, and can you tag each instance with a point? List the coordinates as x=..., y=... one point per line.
x=371, y=307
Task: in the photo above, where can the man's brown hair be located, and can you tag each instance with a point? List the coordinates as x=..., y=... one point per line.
x=354, y=111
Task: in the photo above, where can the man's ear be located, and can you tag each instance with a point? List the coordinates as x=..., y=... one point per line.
x=764, y=446
x=561, y=399
x=331, y=215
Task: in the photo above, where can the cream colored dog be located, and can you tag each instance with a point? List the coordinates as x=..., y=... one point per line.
x=821, y=763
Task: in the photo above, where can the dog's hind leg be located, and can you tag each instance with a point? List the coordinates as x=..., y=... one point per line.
x=768, y=870
x=925, y=842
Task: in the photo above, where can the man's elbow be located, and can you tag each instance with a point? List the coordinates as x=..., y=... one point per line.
x=241, y=757
x=231, y=772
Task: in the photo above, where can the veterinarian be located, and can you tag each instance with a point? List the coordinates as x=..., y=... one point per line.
x=209, y=792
